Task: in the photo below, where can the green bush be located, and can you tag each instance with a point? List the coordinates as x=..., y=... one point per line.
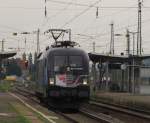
x=5, y=86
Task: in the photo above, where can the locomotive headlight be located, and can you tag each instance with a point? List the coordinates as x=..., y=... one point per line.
x=51, y=81
x=85, y=82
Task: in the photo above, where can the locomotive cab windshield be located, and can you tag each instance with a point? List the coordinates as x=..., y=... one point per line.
x=67, y=63
x=68, y=66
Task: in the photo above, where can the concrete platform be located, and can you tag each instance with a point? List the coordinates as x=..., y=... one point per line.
x=18, y=109
x=141, y=102
x=13, y=111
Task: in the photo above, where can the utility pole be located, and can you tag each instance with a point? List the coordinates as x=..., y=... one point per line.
x=133, y=35
x=128, y=42
x=25, y=42
x=69, y=34
x=93, y=47
x=18, y=46
x=129, y=68
x=38, y=43
x=2, y=45
x=45, y=12
x=133, y=63
x=139, y=30
x=112, y=39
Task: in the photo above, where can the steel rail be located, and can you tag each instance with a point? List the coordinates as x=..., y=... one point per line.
x=100, y=116
x=122, y=109
x=28, y=94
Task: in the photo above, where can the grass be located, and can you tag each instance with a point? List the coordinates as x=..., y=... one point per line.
x=20, y=118
x=17, y=116
x=5, y=86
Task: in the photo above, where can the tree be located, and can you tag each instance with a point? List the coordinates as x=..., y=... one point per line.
x=13, y=69
x=30, y=59
x=30, y=63
x=24, y=56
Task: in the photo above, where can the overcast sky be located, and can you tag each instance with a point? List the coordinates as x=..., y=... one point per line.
x=28, y=15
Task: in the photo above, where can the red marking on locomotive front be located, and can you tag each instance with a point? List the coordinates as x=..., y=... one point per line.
x=62, y=77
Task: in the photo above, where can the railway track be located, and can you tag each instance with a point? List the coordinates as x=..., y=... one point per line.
x=78, y=117
x=72, y=120
x=117, y=113
x=31, y=96
x=123, y=109
x=104, y=118
x=97, y=116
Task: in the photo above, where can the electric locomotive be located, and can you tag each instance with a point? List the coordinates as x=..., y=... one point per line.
x=62, y=75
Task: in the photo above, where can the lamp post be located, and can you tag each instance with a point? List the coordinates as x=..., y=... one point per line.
x=123, y=67
x=133, y=62
x=133, y=35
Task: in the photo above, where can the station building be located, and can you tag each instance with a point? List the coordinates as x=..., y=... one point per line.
x=5, y=55
x=120, y=73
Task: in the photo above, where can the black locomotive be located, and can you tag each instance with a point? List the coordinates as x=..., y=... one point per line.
x=62, y=75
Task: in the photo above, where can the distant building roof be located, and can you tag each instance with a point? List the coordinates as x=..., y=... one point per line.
x=96, y=57
x=7, y=54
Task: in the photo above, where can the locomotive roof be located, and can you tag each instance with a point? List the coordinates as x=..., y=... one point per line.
x=62, y=51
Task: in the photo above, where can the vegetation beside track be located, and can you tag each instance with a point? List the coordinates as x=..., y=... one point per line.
x=5, y=86
x=13, y=111
x=20, y=118
x=13, y=115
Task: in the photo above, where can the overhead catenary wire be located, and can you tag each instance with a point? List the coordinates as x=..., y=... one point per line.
x=104, y=16
x=121, y=28
x=56, y=14
x=105, y=34
x=11, y=28
x=131, y=25
x=78, y=15
x=106, y=8
x=70, y=3
x=62, y=2
x=126, y=8
x=102, y=7
x=76, y=4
